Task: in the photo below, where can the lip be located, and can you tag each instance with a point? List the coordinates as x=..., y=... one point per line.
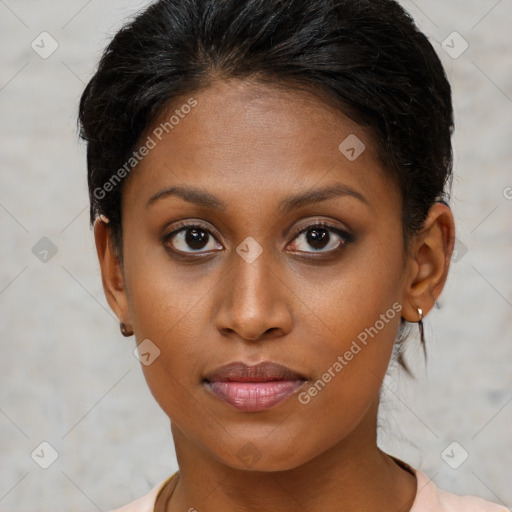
x=253, y=388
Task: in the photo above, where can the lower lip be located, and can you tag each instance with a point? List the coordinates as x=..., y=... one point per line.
x=254, y=396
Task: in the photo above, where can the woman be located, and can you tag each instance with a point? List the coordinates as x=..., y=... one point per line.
x=269, y=185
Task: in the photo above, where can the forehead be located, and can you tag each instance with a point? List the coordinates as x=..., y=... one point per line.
x=255, y=139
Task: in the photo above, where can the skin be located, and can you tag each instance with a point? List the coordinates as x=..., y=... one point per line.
x=252, y=146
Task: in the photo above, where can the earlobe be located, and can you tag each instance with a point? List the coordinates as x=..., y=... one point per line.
x=111, y=272
x=430, y=257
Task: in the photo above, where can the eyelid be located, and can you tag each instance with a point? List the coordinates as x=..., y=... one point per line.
x=322, y=224
x=190, y=223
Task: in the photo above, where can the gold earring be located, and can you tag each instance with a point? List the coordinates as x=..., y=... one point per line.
x=422, y=334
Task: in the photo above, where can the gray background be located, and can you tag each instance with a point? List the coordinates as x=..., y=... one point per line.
x=68, y=376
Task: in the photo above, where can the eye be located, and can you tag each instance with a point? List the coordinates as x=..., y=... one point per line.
x=191, y=236
x=195, y=238
x=322, y=236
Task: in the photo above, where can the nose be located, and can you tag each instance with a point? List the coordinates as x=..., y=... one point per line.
x=255, y=301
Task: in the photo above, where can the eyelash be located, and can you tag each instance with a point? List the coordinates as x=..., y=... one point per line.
x=345, y=237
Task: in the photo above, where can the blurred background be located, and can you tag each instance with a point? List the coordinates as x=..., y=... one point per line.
x=79, y=428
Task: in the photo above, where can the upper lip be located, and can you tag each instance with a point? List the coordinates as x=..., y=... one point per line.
x=261, y=372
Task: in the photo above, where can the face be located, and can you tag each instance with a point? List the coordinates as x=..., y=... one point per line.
x=278, y=246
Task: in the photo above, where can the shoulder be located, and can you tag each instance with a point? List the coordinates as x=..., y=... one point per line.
x=429, y=498
x=146, y=503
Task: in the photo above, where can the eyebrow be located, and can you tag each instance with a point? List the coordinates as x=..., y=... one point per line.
x=191, y=195
x=202, y=198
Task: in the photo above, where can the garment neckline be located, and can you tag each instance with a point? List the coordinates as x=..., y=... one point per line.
x=169, y=485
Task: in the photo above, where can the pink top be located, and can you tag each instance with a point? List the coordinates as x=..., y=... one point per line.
x=428, y=499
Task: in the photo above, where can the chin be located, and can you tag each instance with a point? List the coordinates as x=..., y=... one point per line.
x=262, y=456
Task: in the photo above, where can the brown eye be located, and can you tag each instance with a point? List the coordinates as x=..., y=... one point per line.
x=192, y=238
x=321, y=238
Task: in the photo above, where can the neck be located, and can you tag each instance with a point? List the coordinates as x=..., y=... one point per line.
x=353, y=475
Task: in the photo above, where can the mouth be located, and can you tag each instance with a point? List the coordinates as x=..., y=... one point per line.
x=253, y=388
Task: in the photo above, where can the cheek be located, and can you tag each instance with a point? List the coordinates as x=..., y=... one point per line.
x=351, y=297
x=349, y=368
x=349, y=364
x=163, y=296
x=165, y=304
x=354, y=318
x=165, y=311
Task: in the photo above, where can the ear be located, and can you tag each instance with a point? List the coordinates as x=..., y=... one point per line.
x=429, y=262
x=111, y=272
